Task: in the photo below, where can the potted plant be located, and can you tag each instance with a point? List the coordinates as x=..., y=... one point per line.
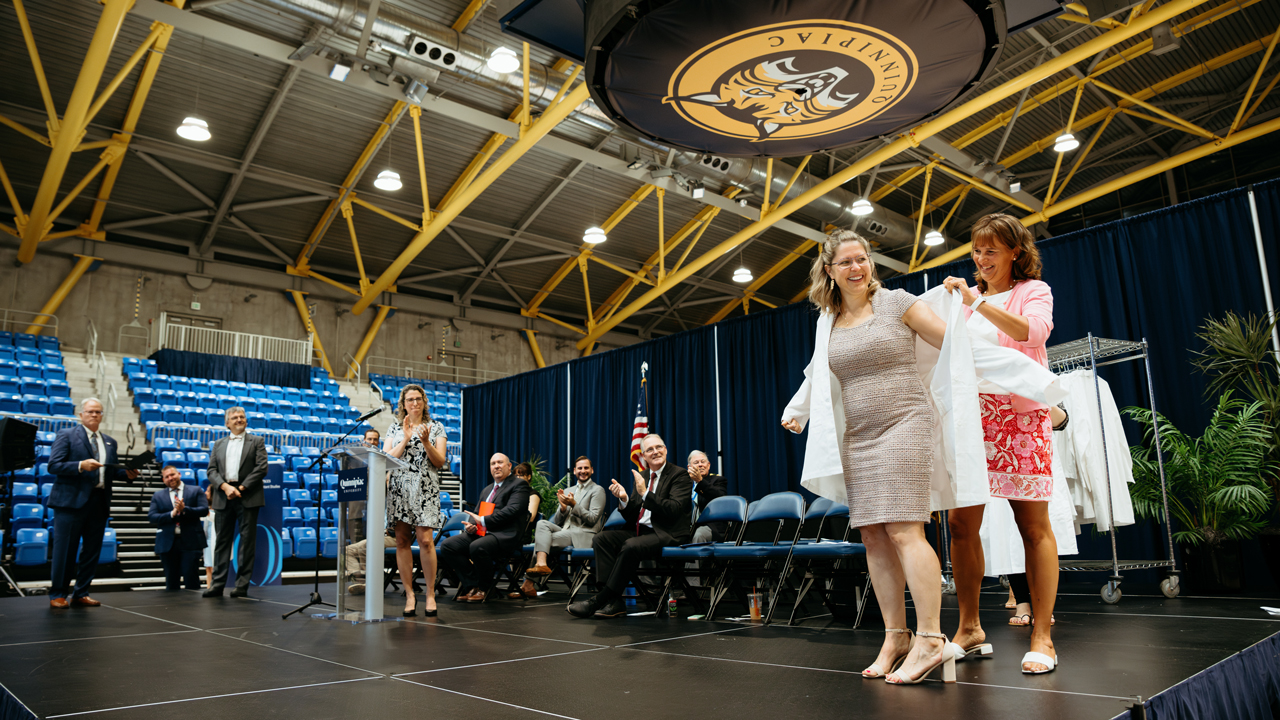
x=1239, y=357
x=1216, y=486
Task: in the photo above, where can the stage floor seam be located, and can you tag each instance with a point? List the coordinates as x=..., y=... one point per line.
x=211, y=697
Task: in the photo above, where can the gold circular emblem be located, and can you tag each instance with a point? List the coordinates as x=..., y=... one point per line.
x=799, y=79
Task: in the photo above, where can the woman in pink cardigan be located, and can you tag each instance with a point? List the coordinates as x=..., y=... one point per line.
x=1014, y=308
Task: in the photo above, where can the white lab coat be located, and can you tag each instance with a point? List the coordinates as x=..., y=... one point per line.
x=1087, y=478
x=951, y=375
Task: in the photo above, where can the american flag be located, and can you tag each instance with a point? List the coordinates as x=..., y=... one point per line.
x=641, y=426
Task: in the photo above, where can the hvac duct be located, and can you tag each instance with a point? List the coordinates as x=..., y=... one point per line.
x=394, y=27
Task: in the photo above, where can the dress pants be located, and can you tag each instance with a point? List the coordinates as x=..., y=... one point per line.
x=548, y=537
x=179, y=564
x=224, y=528
x=70, y=527
x=619, y=553
x=472, y=558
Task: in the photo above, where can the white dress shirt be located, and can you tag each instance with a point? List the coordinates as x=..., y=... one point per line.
x=175, y=494
x=646, y=517
x=235, y=449
x=95, y=438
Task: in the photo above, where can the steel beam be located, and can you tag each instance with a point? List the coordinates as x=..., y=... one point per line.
x=369, y=335
x=533, y=347
x=259, y=134
x=305, y=316
x=912, y=138
x=69, y=134
x=796, y=253
x=46, y=313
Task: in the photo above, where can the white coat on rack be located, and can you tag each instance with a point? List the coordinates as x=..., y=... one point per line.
x=951, y=375
x=1089, y=490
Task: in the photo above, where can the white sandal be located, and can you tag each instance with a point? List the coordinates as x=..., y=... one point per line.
x=1034, y=657
x=874, y=672
x=978, y=651
x=947, y=663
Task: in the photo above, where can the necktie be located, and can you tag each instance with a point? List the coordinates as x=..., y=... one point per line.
x=93, y=446
x=173, y=498
x=492, y=493
x=695, y=502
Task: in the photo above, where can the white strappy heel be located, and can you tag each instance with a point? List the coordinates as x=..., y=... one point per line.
x=874, y=671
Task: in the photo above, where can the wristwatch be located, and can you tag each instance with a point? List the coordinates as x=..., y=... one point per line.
x=977, y=302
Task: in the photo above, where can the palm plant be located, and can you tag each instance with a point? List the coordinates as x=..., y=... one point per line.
x=1217, y=489
x=1239, y=357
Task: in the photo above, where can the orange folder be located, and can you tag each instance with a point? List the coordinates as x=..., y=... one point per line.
x=486, y=509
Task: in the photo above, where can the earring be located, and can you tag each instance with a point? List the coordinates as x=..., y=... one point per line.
x=832, y=282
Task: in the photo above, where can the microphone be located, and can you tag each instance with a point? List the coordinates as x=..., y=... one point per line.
x=370, y=414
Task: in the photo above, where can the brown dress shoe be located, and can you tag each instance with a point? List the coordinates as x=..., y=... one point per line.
x=476, y=597
x=527, y=590
x=85, y=601
x=59, y=603
x=538, y=570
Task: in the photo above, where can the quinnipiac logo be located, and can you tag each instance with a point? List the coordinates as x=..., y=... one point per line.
x=791, y=80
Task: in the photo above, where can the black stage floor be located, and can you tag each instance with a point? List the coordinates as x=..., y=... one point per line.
x=159, y=655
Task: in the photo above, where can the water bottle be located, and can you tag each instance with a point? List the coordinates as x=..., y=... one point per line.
x=671, y=605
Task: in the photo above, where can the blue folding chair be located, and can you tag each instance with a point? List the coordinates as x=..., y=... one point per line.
x=743, y=565
x=31, y=546
x=291, y=517
x=329, y=542
x=304, y=543
x=26, y=515
x=25, y=492
x=300, y=499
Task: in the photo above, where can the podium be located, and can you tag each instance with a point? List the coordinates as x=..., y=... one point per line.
x=377, y=463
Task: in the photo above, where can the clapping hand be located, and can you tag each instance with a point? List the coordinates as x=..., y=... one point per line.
x=642, y=485
x=793, y=425
x=694, y=475
x=468, y=528
x=179, y=507
x=618, y=491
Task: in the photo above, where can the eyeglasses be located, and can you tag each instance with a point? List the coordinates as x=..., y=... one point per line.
x=843, y=264
x=655, y=448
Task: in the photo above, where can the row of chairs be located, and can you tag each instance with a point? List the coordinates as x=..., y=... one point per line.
x=37, y=405
x=435, y=398
x=27, y=341
x=335, y=405
x=31, y=546
x=32, y=365
x=385, y=380
x=151, y=413
x=32, y=386
x=179, y=383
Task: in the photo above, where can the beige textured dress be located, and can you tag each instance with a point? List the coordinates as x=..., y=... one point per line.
x=887, y=450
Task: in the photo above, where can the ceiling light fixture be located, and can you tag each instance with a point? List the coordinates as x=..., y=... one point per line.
x=742, y=274
x=696, y=189
x=594, y=235
x=933, y=237
x=388, y=180
x=1066, y=142
x=1015, y=187
x=503, y=60
x=193, y=128
x=861, y=207
x=339, y=72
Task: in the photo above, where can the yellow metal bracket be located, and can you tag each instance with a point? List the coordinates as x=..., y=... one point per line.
x=60, y=294
x=533, y=347
x=305, y=315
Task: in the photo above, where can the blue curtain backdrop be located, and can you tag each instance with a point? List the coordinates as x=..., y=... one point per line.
x=518, y=416
x=1156, y=276
x=232, y=369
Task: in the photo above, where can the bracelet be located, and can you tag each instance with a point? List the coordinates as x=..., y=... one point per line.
x=977, y=302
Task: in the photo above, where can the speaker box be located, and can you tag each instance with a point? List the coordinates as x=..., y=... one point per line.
x=17, y=444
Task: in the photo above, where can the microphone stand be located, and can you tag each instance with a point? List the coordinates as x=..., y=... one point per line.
x=315, y=598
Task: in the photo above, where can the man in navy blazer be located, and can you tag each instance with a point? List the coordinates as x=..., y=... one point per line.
x=177, y=510
x=82, y=497
x=473, y=557
x=659, y=513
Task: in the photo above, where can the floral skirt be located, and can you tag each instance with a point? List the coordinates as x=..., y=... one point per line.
x=1019, y=449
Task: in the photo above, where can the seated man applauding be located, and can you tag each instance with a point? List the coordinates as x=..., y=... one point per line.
x=578, y=518
x=658, y=515
x=473, y=555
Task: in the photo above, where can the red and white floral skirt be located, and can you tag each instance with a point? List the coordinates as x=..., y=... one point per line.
x=1019, y=449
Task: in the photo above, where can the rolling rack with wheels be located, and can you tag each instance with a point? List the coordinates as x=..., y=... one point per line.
x=1090, y=353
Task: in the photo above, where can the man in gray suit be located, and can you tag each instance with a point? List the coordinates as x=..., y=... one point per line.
x=577, y=520
x=237, y=467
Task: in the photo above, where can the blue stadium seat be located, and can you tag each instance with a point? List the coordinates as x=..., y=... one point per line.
x=218, y=387
x=291, y=518
x=51, y=356
x=328, y=499
x=199, y=385
x=329, y=542
x=35, y=404
x=257, y=390
x=215, y=417
x=300, y=499
x=8, y=367
x=286, y=550
x=25, y=492
x=291, y=481
x=275, y=392
x=173, y=414
x=258, y=420
x=310, y=515
x=31, y=357
x=166, y=444
x=275, y=421
x=304, y=543
x=311, y=482
x=10, y=385
x=188, y=476
x=24, y=340
x=55, y=372
x=292, y=395
x=251, y=405
x=291, y=450
x=198, y=460
x=160, y=382
x=202, y=476
x=209, y=401
x=238, y=389
x=175, y=458
x=10, y=402
x=189, y=445
x=139, y=380
x=8, y=352
x=43, y=452
x=31, y=546
x=150, y=412
x=31, y=386
x=62, y=407
x=26, y=515
x=31, y=370
x=298, y=463
x=193, y=415
x=178, y=383
x=149, y=366
x=165, y=396
x=130, y=364
x=110, y=547
x=333, y=426
x=46, y=489
x=46, y=437
x=57, y=388
x=48, y=342
x=294, y=423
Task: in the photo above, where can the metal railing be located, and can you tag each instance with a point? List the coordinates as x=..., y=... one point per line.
x=45, y=423
x=133, y=331
x=353, y=366
x=91, y=340
x=110, y=399
x=429, y=370
x=99, y=365
x=19, y=320
x=236, y=344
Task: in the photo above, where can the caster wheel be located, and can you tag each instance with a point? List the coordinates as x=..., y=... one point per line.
x=1170, y=587
x=1004, y=581
x=949, y=587
x=1110, y=594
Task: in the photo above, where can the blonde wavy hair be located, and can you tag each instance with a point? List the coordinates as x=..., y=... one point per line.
x=822, y=291
x=1006, y=230
x=426, y=404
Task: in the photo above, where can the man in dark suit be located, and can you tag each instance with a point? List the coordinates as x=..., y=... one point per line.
x=237, y=467
x=658, y=515
x=177, y=510
x=706, y=487
x=82, y=497
x=472, y=556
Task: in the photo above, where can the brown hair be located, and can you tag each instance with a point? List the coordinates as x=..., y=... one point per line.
x=426, y=406
x=822, y=292
x=524, y=469
x=580, y=458
x=1005, y=230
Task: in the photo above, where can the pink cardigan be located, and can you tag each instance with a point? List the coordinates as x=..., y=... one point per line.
x=1033, y=300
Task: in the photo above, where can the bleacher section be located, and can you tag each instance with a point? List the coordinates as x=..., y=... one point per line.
x=33, y=378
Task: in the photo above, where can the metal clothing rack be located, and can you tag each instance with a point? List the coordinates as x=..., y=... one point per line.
x=1091, y=353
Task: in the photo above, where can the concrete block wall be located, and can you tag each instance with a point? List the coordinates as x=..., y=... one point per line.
x=106, y=296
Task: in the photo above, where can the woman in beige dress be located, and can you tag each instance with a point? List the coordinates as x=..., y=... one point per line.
x=887, y=448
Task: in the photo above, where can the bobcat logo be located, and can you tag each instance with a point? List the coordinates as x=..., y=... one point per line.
x=792, y=80
x=772, y=94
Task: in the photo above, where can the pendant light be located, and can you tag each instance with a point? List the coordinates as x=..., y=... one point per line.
x=862, y=207
x=933, y=237
x=193, y=127
x=742, y=274
x=1066, y=142
x=388, y=179
x=503, y=60
x=594, y=234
